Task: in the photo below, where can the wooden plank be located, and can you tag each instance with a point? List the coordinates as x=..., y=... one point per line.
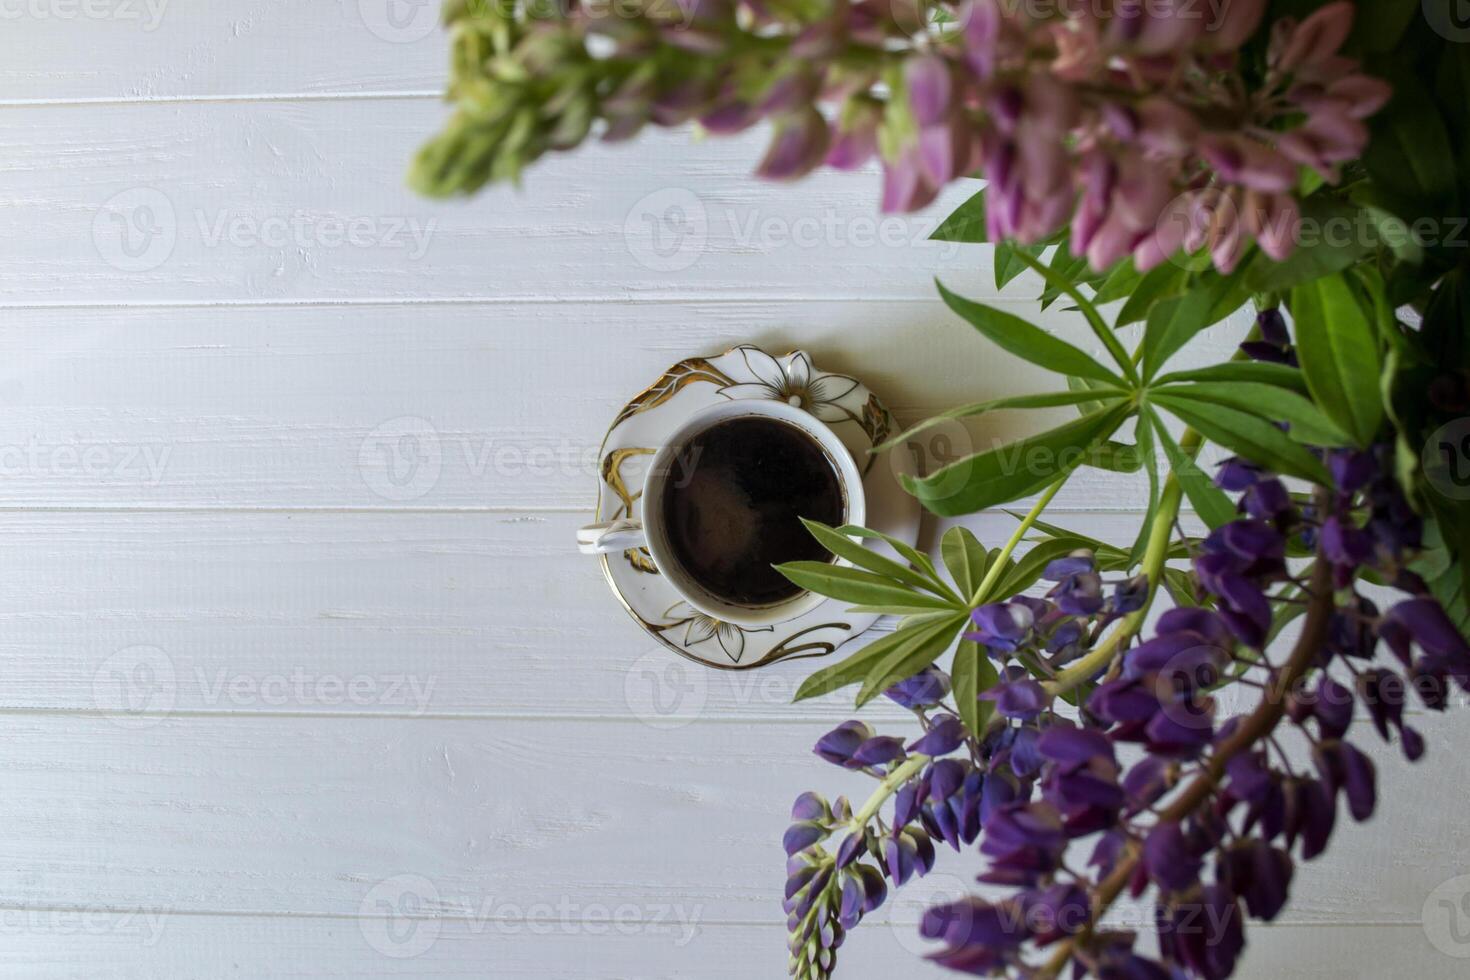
x=45, y=946
x=394, y=614
x=163, y=49
x=291, y=201
x=244, y=407
x=308, y=815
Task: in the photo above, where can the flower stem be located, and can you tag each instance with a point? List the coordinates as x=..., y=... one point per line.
x=1154, y=557
x=888, y=787
x=997, y=567
x=1258, y=725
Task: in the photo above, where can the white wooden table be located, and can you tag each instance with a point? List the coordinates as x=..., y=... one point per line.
x=302, y=675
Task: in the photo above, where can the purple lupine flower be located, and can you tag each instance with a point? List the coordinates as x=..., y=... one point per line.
x=1001, y=625
x=1267, y=500
x=1332, y=706
x=1146, y=782
x=925, y=689
x=1237, y=474
x=1425, y=621
x=838, y=745
x=1343, y=768
x=945, y=735
x=1130, y=595
x=1077, y=563
x=877, y=751
x=1079, y=594
x=1022, y=699
x=1260, y=874
x=1171, y=862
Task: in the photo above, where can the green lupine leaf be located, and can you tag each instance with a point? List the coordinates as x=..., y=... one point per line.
x=1159, y=283
x=1247, y=435
x=1378, y=26
x=899, y=610
x=1097, y=388
x=1231, y=372
x=1208, y=500
x=857, y=586
x=1172, y=324
x=965, y=224
x=1089, y=312
x=1410, y=157
x=1030, y=566
x=1015, y=470
x=910, y=554
x=1307, y=421
x=857, y=666
x=844, y=547
x=1118, y=457
x=1146, y=421
x=1339, y=353
x=926, y=645
x=1027, y=341
x=966, y=559
x=1007, y=265
x=1049, y=400
x=1323, y=255
x=1121, y=282
x=972, y=674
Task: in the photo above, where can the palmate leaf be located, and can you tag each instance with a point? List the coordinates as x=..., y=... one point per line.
x=858, y=586
x=1027, y=571
x=1339, y=353
x=1015, y=470
x=839, y=675
x=1146, y=420
x=973, y=673
x=1095, y=396
x=1321, y=256
x=844, y=547
x=1121, y=282
x=1208, y=500
x=966, y=559
x=910, y=554
x=1174, y=323
x=1027, y=341
x=926, y=645
x=1246, y=435
x=1158, y=284
x=1100, y=329
x=1253, y=372
x=1307, y=421
x=966, y=224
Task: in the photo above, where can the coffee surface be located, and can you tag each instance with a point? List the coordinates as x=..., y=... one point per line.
x=733, y=504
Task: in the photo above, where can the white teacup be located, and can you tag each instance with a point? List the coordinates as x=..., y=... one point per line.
x=667, y=466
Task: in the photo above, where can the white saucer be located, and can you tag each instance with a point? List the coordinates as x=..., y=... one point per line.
x=854, y=413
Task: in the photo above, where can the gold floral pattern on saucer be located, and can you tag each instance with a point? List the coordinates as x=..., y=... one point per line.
x=844, y=403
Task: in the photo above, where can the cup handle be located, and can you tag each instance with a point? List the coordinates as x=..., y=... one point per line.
x=610, y=537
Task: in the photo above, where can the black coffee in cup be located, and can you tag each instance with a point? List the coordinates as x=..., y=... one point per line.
x=733, y=502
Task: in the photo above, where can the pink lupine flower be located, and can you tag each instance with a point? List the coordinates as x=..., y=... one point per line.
x=799, y=145
x=1233, y=25
x=1317, y=39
